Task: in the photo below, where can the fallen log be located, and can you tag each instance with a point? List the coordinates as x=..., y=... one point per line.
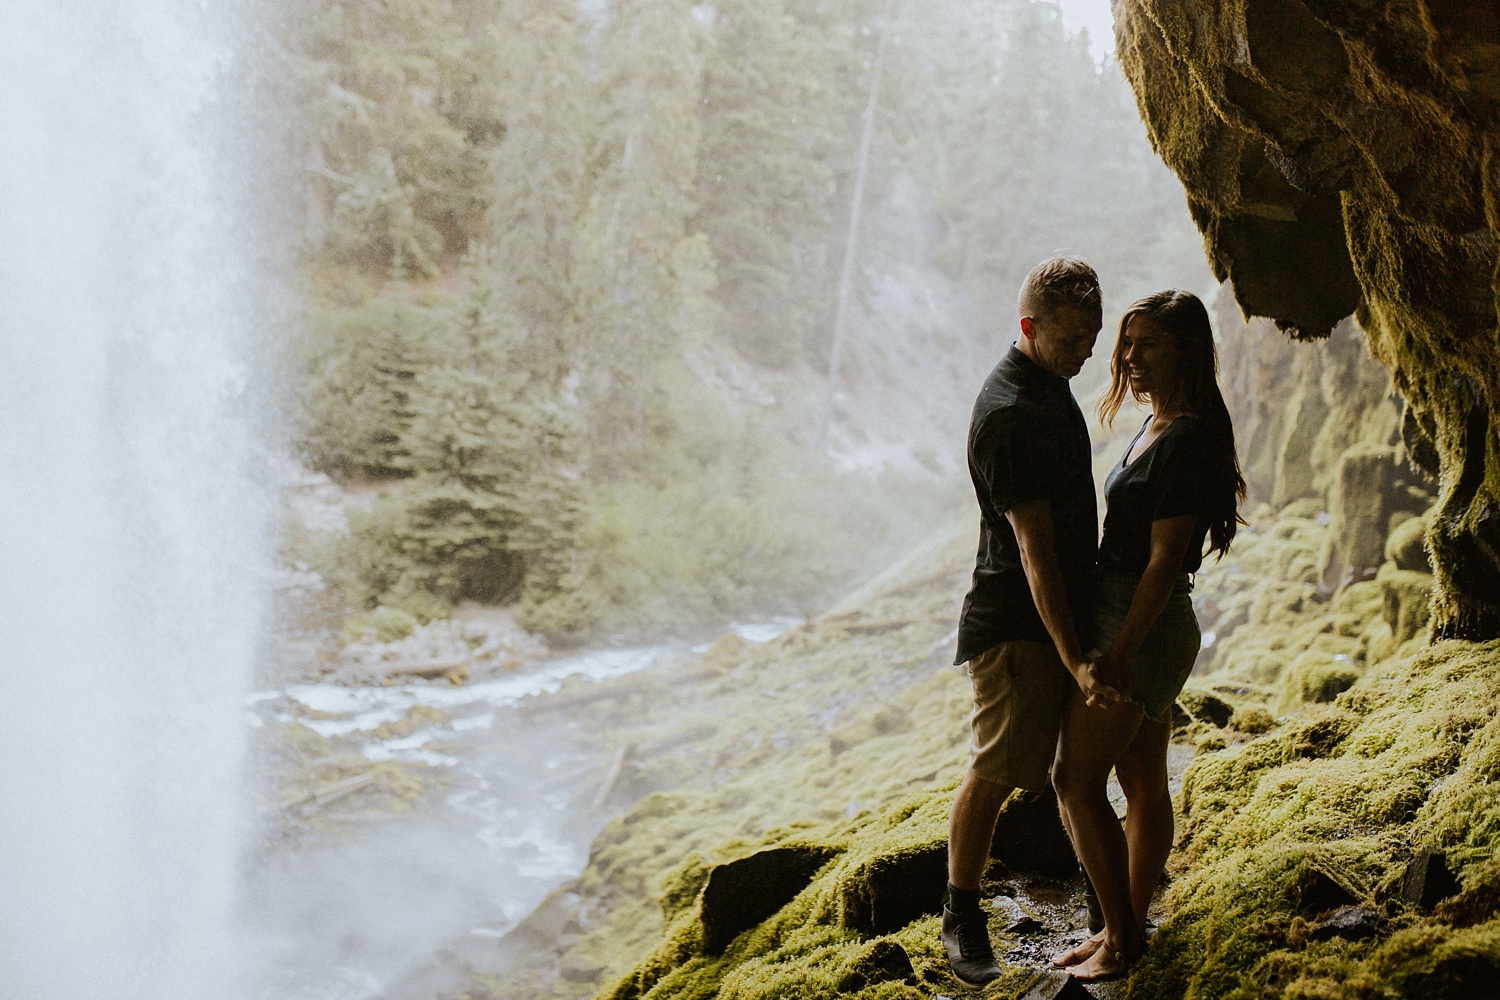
x=319, y=797
x=615, y=770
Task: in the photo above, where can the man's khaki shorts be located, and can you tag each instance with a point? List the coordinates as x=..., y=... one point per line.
x=1019, y=691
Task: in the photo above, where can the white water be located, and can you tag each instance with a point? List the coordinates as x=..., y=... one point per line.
x=131, y=556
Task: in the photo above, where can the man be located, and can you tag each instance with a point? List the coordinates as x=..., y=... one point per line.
x=1019, y=630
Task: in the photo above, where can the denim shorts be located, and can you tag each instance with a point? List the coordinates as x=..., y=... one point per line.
x=1161, y=666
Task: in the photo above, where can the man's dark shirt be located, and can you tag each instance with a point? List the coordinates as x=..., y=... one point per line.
x=1027, y=441
x=1170, y=478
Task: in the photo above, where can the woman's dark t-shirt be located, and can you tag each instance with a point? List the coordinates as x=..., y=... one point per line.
x=1170, y=478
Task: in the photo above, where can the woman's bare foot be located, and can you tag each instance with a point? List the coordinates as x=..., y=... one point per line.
x=1079, y=954
x=1107, y=962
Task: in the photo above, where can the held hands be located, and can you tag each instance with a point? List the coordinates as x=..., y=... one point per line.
x=1102, y=682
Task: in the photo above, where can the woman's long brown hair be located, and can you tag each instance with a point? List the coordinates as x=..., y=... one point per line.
x=1182, y=316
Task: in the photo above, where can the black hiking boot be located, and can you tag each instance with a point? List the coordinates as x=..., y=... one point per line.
x=966, y=936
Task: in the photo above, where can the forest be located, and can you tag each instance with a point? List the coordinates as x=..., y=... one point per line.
x=573, y=279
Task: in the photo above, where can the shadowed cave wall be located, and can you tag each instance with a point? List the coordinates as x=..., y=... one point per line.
x=1343, y=157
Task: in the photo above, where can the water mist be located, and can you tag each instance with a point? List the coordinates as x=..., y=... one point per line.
x=131, y=554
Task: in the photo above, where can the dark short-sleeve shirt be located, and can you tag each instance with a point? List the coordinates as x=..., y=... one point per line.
x=1027, y=441
x=1170, y=478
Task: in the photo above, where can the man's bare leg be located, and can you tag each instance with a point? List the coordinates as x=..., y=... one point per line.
x=1089, y=743
x=971, y=828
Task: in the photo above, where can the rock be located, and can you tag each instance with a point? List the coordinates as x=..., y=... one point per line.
x=891, y=890
x=1206, y=707
x=1407, y=601
x=1320, y=892
x=1025, y=925
x=1058, y=986
x=1029, y=836
x=1428, y=880
x=1407, y=546
x=741, y=894
x=883, y=962
x=1252, y=721
x=1180, y=717
x=1352, y=923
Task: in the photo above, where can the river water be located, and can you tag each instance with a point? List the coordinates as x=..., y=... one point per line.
x=344, y=902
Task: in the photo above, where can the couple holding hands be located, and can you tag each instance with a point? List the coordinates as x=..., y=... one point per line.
x=1077, y=646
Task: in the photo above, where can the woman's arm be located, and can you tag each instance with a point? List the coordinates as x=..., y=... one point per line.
x=1169, y=541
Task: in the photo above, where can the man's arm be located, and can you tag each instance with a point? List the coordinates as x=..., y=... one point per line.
x=1032, y=523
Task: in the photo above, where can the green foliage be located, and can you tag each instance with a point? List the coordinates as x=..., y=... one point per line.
x=776, y=96
x=358, y=362
x=399, y=107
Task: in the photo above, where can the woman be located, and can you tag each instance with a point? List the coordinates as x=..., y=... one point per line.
x=1177, y=484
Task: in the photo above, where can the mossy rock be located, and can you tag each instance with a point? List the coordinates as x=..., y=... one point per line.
x=884, y=961
x=741, y=894
x=1029, y=836
x=890, y=890
x=1407, y=546
x=1206, y=707
x=1314, y=677
x=1407, y=601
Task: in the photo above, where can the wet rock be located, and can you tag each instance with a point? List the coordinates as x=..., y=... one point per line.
x=1320, y=892
x=1025, y=925
x=1058, y=986
x=1029, y=836
x=1206, y=707
x=1428, y=880
x=891, y=890
x=883, y=962
x=1352, y=923
x=741, y=894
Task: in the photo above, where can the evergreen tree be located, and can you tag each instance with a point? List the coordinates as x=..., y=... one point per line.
x=646, y=277
x=398, y=111
x=773, y=113
x=537, y=181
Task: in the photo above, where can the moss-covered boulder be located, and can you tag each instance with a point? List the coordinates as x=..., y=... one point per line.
x=1340, y=158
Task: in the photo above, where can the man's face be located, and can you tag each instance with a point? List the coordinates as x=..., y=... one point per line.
x=1063, y=339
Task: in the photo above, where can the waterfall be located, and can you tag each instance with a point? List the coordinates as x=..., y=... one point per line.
x=132, y=552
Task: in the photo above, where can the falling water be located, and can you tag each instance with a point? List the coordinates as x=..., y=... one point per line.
x=131, y=558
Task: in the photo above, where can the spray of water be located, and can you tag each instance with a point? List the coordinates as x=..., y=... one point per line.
x=130, y=525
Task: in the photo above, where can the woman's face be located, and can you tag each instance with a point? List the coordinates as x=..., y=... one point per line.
x=1149, y=355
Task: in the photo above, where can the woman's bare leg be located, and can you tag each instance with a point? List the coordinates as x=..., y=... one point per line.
x=1142, y=770
x=1090, y=741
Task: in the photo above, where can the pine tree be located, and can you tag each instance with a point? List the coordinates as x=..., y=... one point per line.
x=773, y=111
x=537, y=181
x=645, y=276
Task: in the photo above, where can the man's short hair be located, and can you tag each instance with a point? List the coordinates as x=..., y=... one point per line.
x=1059, y=281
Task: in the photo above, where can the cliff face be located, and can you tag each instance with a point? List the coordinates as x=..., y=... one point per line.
x=1343, y=157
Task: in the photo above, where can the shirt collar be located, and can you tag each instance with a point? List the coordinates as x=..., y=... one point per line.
x=1029, y=369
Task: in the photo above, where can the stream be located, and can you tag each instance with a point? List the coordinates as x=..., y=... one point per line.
x=344, y=900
